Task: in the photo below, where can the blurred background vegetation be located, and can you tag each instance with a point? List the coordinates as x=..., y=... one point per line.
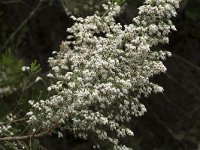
x=31, y=30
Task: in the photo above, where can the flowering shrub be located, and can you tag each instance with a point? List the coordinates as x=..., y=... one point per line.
x=101, y=72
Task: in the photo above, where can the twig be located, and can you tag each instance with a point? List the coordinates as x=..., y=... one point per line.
x=187, y=62
x=14, y=121
x=30, y=144
x=170, y=131
x=32, y=13
x=181, y=87
x=26, y=137
x=10, y=1
x=170, y=77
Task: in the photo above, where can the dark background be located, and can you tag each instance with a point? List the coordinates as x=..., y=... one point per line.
x=173, y=118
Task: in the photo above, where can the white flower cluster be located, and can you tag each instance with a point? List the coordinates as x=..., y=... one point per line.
x=102, y=71
x=5, y=89
x=6, y=129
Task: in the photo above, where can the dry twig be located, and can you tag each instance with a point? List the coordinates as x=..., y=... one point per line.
x=30, y=16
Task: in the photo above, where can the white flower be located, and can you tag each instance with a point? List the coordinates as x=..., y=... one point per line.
x=49, y=88
x=34, y=130
x=29, y=113
x=25, y=68
x=50, y=75
x=38, y=79
x=56, y=69
x=60, y=135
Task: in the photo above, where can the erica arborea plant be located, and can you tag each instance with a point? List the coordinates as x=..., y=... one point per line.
x=101, y=72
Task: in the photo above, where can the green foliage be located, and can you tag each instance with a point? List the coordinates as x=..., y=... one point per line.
x=9, y=61
x=35, y=67
x=10, y=69
x=10, y=78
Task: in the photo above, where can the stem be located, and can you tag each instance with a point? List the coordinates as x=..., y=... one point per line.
x=187, y=62
x=14, y=121
x=32, y=13
x=26, y=137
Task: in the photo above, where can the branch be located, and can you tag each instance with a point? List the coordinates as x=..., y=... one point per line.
x=186, y=91
x=32, y=13
x=10, y=1
x=187, y=62
x=26, y=137
x=14, y=121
